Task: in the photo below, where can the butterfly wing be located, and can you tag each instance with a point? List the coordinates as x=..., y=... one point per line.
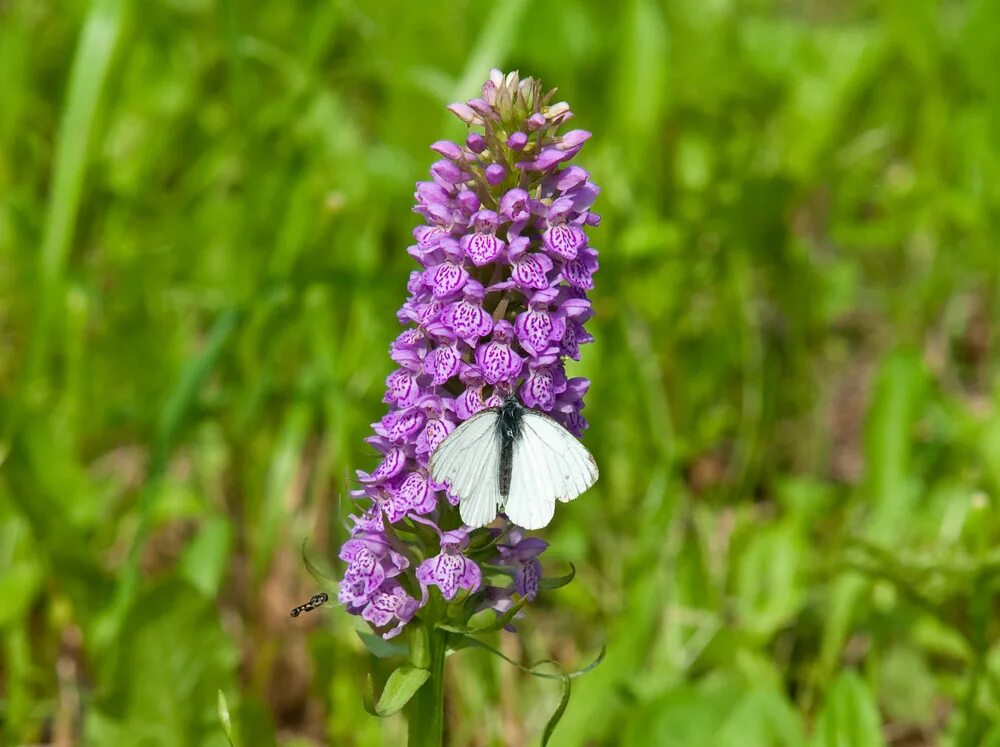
x=469, y=461
x=549, y=464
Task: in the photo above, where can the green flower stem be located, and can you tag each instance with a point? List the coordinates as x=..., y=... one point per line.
x=426, y=709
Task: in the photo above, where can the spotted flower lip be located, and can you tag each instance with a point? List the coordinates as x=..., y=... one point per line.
x=497, y=304
x=450, y=570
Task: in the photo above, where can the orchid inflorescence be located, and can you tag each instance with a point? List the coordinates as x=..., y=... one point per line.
x=498, y=304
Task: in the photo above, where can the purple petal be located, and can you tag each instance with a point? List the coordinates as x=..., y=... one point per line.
x=401, y=388
x=415, y=494
x=472, y=576
x=535, y=121
x=447, y=149
x=498, y=362
x=468, y=201
x=573, y=139
x=445, y=364
x=433, y=434
x=564, y=240
x=530, y=271
x=447, y=278
x=448, y=172
x=476, y=142
x=534, y=330
x=483, y=109
x=403, y=425
x=529, y=547
x=538, y=391
x=482, y=248
x=495, y=174
x=549, y=157
x=391, y=466
x=465, y=113
x=517, y=140
x=526, y=579
x=514, y=204
x=469, y=403
x=469, y=321
x=577, y=274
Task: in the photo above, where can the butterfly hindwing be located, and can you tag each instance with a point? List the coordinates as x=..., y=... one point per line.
x=549, y=464
x=469, y=461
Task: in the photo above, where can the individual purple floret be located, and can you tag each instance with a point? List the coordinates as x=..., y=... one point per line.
x=450, y=570
x=497, y=305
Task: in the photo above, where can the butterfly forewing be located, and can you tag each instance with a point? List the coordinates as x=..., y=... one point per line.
x=469, y=461
x=549, y=464
x=530, y=503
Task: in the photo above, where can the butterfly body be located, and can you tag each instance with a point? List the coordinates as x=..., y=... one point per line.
x=515, y=459
x=509, y=417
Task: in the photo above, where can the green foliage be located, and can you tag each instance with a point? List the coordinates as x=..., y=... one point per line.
x=402, y=685
x=204, y=210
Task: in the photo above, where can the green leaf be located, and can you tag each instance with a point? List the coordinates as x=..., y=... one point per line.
x=420, y=652
x=849, y=717
x=205, y=560
x=92, y=64
x=18, y=586
x=399, y=688
x=285, y=463
x=763, y=718
x=379, y=647
x=718, y=711
x=227, y=724
x=497, y=624
x=557, y=582
x=163, y=675
x=768, y=578
x=688, y=715
x=557, y=715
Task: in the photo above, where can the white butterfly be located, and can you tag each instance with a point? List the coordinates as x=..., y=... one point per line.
x=512, y=458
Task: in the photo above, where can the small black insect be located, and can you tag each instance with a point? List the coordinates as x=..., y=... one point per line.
x=317, y=600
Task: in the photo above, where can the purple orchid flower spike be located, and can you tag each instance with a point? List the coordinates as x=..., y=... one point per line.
x=496, y=306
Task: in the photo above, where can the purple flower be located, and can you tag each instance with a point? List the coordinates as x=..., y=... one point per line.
x=520, y=554
x=482, y=246
x=450, y=570
x=476, y=142
x=415, y=495
x=497, y=304
x=370, y=561
x=495, y=173
x=390, y=602
x=564, y=241
x=467, y=320
x=517, y=141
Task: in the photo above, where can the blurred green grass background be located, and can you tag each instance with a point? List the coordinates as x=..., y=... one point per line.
x=204, y=210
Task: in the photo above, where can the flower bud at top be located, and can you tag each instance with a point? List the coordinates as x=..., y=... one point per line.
x=495, y=173
x=465, y=113
x=573, y=139
x=517, y=141
x=535, y=121
x=476, y=142
x=447, y=149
